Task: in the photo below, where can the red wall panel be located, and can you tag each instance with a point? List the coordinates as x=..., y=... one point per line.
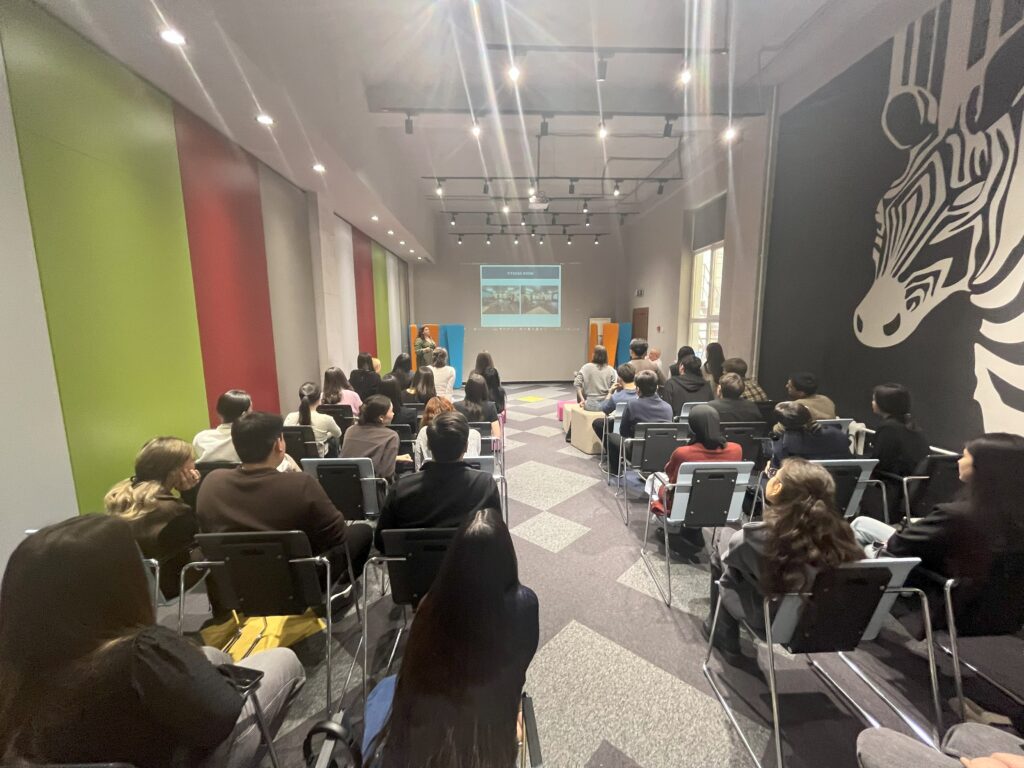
x=220, y=186
x=363, y=260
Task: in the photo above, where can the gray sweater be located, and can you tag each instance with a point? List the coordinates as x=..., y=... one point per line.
x=596, y=382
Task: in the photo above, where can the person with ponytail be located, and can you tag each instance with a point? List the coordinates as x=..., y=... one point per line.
x=802, y=534
x=163, y=525
x=899, y=445
x=324, y=427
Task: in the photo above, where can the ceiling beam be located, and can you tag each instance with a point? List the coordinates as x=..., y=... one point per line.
x=603, y=51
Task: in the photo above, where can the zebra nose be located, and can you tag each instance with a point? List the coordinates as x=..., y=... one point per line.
x=892, y=326
x=860, y=324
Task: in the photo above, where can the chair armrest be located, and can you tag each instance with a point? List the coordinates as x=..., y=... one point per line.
x=935, y=578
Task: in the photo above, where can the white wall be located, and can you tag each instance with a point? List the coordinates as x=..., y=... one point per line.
x=36, y=486
x=449, y=292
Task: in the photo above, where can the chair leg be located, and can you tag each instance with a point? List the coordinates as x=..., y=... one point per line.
x=398, y=638
x=352, y=666
x=259, y=636
x=261, y=722
x=645, y=556
x=954, y=650
x=771, y=684
x=668, y=569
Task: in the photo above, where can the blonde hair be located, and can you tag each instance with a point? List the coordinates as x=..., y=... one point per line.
x=158, y=459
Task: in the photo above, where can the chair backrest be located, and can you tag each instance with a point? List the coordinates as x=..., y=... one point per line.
x=684, y=410
x=665, y=437
x=616, y=416
x=300, y=443
x=486, y=444
x=341, y=413
x=749, y=435
x=710, y=493
x=483, y=463
x=767, y=409
x=405, y=437
x=942, y=485
x=993, y=605
x=851, y=477
x=256, y=577
x=843, y=424
x=206, y=467
x=418, y=407
x=339, y=477
x=423, y=550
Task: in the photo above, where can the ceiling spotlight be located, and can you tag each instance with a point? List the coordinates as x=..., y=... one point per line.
x=532, y=189
x=666, y=132
x=391, y=232
x=264, y=119
x=595, y=240
x=172, y=36
x=375, y=217
x=602, y=70
x=541, y=241
x=408, y=125
x=554, y=218
x=568, y=240
x=488, y=240
x=401, y=242
x=602, y=132
x=475, y=130
x=439, y=189
x=572, y=186
x=685, y=75
x=460, y=240
x=661, y=187
x=565, y=230
x=452, y=222
x=586, y=206
x=319, y=168
x=533, y=232
x=616, y=191
x=544, y=126
x=487, y=187
x=505, y=208
x=419, y=258
x=516, y=240
x=586, y=223
x=513, y=73
x=729, y=134
x=522, y=220
x=412, y=250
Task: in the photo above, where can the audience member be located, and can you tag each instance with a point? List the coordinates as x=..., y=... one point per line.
x=688, y=386
x=338, y=391
x=424, y=348
x=707, y=443
x=804, y=387
x=714, y=357
x=255, y=497
x=654, y=355
x=625, y=390
x=325, y=428
x=899, y=445
x=162, y=524
x=391, y=388
x=87, y=676
x=445, y=491
x=422, y=388
x=371, y=438
x=638, y=359
x=646, y=408
x=683, y=353
x=751, y=389
x=965, y=745
x=215, y=444
x=402, y=369
x=803, y=437
x=365, y=381
x=730, y=404
x=476, y=407
x=376, y=365
x=456, y=697
x=594, y=380
x=965, y=538
x=444, y=374
x=494, y=388
x=801, y=535
x=421, y=448
x=483, y=362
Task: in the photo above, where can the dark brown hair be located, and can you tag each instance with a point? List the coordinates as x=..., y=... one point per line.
x=335, y=381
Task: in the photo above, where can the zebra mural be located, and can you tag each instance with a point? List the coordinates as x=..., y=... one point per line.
x=955, y=106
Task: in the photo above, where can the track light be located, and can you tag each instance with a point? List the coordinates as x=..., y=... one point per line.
x=487, y=187
x=516, y=240
x=172, y=36
x=488, y=241
x=513, y=73
x=319, y=168
x=544, y=126
x=568, y=240
x=661, y=187
x=460, y=240
x=391, y=232
x=533, y=232
x=586, y=207
x=401, y=242
x=264, y=119
x=542, y=240
x=408, y=125
x=729, y=134
x=586, y=223
x=572, y=186
x=554, y=218
x=488, y=219
x=595, y=240
x=375, y=217
x=602, y=70
x=685, y=75
x=475, y=130
x=522, y=220
x=532, y=190
x=439, y=189
x=666, y=132
x=504, y=208
x=452, y=222
x=602, y=132
x=565, y=230
x=616, y=191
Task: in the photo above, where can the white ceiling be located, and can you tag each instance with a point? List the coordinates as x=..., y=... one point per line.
x=327, y=70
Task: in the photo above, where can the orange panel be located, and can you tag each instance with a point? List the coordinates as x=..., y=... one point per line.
x=610, y=337
x=593, y=341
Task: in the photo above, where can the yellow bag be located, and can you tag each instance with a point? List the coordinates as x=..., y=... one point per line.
x=280, y=631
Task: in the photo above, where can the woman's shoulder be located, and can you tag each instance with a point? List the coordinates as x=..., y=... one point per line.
x=291, y=419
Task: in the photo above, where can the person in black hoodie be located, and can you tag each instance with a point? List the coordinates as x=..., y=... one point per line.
x=688, y=386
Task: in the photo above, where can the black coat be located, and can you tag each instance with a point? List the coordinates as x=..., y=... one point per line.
x=688, y=388
x=730, y=411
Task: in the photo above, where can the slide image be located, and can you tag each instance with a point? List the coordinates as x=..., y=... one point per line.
x=521, y=295
x=540, y=301
x=501, y=300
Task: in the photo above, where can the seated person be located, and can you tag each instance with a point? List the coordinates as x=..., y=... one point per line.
x=594, y=380
x=801, y=534
x=421, y=448
x=730, y=404
x=444, y=374
x=494, y=388
x=402, y=370
x=688, y=386
x=445, y=491
x=899, y=445
x=256, y=497
x=684, y=352
x=215, y=444
x=422, y=388
x=751, y=389
x=707, y=443
x=476, y=407
x=802, y=436
x=967, y=537
x=712, y=369
x=803, y=387
x=87, y=676
x=163, y=525
x=457, y=694
x=365, y=380
x=325, y=428
x=391, y=388
x=338, y=391
x=648, y=407
x=966, y=745
x=638, y=359
x=654, y=355
x=625, y=391
x=371, y=438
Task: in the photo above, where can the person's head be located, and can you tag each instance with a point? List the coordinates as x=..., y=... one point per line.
x=335, y=381
x=600, y=357
x=257, y=438
x=654, y=354
x=309, y=398
x=403, y=364
x=626, y=374
x=483, y=362
x=493, y=382
x=69, y=591
x=684, y=352
x=440, y=357
x=802, y=384
x=646, y=383
x=714, y=357
x=690, y=365
x=476, y=389
x=893, y=401
x=806, y=529
x=448, y=436
x=376, y=364
x=735, y=365
x=377, y=409
x=455, y=647
x=730, y=386
x=434, y=407
x=364, y=361
x=706, y=426
x=792, y=414
x=391, y=388
x=637, y=348
x=159, y=467
x=233, y=404
x=424, y=385
x=991, y=466
x=424, y=332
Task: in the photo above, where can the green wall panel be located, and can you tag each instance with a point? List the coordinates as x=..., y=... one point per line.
x=100, y=162
x=380, y=306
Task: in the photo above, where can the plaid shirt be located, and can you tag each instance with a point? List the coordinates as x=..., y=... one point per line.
x=752, y=391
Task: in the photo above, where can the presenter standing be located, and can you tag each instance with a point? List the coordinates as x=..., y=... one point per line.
x=424, y=348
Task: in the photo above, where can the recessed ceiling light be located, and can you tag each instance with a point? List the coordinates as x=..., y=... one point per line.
x=513, y=73
x=319, y=168
x=375, y=217
x=412, y=250
x=401, y=242
x=475, y=130
x=391, y=231
x=419, y=258
x=172, y=36
x=264, y=119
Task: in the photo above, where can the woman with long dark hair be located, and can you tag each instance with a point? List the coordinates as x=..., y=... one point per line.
x=365, y=380
x=483, y=362
x=338, y=390
x=494, y=388
x=801, y=534
x=899, y=445
x=402, y=369
x=707, y=443
x=424, y=348
x=456, y=698
x=324, y=427
x=714, y=357
x=86, y=675
x=422, y=389
x=391, y=388
x=477, y=406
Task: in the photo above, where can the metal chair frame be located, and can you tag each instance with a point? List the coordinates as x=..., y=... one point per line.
x=625, y=463
x=611, y=423
x=490, y=465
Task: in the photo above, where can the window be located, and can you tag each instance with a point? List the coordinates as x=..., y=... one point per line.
x=706, y=297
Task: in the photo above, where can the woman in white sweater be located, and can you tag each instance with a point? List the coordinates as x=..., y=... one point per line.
x=324, y=426
x=444, y=374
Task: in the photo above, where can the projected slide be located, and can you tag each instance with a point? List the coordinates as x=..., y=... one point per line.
x=520, y=296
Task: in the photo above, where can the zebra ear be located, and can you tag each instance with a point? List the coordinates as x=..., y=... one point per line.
x=909, y=117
